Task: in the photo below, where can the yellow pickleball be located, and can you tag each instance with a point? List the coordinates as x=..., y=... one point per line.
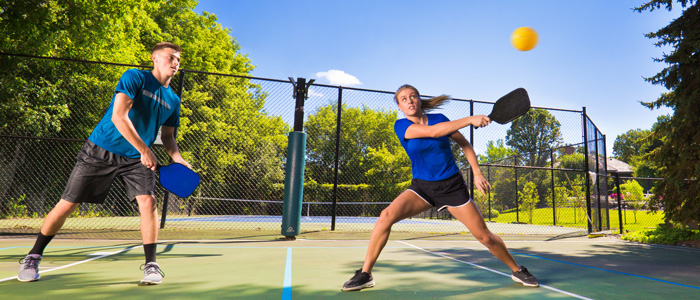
x=524, y=38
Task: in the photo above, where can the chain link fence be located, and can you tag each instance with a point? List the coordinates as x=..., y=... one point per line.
x=234, y=133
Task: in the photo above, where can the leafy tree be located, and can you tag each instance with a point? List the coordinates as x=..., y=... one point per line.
x=370, y=152
x=532, y=134
x=645, y=167
x=628, y=145
x=561, y=198
x=679, y=192
x=496, y=152
x=633, y=193
x=225, y=131
x=528, y=199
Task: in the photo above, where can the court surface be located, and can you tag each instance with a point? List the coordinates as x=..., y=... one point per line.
x=568, y=268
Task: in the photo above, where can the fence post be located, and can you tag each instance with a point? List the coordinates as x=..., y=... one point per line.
x=471, y=140
x=488, y=173
x=517, y=204
x=554, y=198
x=619, y=199
x=584, y=117
x=167, y=194
x=597, y=185
x=337, y=153
x=296, y=159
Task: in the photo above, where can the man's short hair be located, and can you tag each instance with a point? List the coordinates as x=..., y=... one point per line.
x=163, y=45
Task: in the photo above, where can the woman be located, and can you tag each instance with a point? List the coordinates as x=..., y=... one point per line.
x=436, y=182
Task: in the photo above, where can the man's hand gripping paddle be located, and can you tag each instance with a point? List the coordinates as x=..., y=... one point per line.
x=178, y=179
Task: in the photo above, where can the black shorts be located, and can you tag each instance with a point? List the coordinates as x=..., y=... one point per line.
x=450, y=192
x=95, y=170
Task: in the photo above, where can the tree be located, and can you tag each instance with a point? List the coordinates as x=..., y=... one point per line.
x=370, y=152
x=532, y=135
x=496, y=152
x=528, y=199
x=629, y=144
x=679, y=192
x=633, y=193
x=225, y=131
x=645, y=167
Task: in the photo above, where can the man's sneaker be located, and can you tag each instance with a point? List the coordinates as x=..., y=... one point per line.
x=523, y=276
x=29, y=269
x=360, y=281
x=152, y=274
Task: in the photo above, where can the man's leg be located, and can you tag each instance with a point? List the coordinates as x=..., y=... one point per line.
x=149, y=235
x=29, y=270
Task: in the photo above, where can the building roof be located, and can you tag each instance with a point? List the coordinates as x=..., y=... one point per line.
x=618, y=166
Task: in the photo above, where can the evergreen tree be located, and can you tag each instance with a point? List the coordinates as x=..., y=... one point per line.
x=677, y=158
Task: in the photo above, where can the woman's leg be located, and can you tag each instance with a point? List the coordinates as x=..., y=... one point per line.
x=470, y=216
x=406, y=205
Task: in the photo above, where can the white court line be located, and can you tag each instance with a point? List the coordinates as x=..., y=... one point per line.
x=103, y=254
x=493, y=271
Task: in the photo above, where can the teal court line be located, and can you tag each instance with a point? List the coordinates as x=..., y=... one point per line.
x=8, y=248
x=287, y=288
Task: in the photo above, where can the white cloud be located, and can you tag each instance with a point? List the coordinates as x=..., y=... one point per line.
x=337, y=77
x=313, y=93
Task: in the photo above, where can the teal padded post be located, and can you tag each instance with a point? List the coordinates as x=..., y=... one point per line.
x=294, y=184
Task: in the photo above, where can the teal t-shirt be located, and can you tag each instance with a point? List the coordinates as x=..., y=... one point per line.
x=153, y=107
x=431, y=158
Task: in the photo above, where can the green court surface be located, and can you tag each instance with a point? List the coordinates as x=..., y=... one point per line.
x=568, y=268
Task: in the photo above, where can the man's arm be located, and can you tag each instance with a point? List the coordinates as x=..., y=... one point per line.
x=167, y=136
x=120, y=118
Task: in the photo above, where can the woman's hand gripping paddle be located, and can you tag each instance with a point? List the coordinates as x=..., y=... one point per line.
x=510, y=106
x=178, y=179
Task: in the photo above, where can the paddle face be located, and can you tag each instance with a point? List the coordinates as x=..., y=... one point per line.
x=510, y=106
x=178, y=179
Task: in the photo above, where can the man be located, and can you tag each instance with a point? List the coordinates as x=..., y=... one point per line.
x=142, y=104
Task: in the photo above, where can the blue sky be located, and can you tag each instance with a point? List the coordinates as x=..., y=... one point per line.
x=590, y=53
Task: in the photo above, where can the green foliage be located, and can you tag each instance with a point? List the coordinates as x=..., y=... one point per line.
x=628, y=145
x=496, y=152
x=368, y=148
x=482, y=201
x=633, y=195
x=14, y=208
x=532, y=134
x=50, y=98
x=677, y=158
x=528, y=198
x=667, y=235
x=632, y=191
x=561, y=197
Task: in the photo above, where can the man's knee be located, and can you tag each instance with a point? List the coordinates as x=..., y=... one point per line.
x=146, y=201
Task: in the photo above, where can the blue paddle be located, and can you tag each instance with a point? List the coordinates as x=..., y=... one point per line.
x=178, y=179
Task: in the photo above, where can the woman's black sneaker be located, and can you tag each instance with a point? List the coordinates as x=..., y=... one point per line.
x=360, y=281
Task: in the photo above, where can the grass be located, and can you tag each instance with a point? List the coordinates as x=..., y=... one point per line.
x=570, y=217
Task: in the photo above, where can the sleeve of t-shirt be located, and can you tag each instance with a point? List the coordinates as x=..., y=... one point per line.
x=400, y=127
x=130, y=83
